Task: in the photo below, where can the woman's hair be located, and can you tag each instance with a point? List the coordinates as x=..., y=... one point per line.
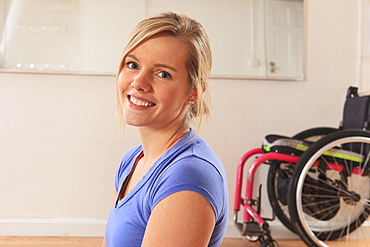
x=199, y=58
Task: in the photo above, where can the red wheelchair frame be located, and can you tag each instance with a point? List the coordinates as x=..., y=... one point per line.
x=249, y=212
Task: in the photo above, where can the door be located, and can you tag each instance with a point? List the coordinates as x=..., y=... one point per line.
x=284, y=38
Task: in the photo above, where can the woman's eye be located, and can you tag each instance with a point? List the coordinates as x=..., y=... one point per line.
x=132, y=65
x=164, y=75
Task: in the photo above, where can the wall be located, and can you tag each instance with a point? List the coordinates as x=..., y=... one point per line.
x=364, y=74
x=60, y=145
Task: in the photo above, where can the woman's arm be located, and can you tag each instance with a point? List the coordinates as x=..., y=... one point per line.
x=181, y=219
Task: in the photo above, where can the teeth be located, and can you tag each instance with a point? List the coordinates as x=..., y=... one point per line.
x=140, y=102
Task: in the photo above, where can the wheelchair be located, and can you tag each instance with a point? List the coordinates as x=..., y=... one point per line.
x=318, y=182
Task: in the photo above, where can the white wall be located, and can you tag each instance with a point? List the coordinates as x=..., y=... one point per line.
x=59, y=144
x=365, y=51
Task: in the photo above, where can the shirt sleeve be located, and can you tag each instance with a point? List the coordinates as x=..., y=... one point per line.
x=191, y=174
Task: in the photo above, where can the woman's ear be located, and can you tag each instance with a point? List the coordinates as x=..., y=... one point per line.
x=193, y=97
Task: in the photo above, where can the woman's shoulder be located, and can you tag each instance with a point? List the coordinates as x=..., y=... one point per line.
x=194, y=158
x=200, y=152
x=196, y=169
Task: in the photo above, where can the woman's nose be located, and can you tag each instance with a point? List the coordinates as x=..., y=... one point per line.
x=142, y=82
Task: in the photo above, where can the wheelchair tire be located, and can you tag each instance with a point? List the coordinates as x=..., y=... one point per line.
x=279, y=207
x=327, y=202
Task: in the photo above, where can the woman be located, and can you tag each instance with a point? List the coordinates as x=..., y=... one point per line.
x=171, y=189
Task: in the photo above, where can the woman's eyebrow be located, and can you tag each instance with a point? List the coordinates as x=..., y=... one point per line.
x=131, y=56
x=158, y=65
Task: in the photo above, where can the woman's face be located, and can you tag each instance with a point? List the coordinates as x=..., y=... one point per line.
x=153, y=83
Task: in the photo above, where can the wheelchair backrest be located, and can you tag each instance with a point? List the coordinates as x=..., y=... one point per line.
x=356, y=113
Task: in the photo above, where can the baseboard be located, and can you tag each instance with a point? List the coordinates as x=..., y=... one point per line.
x=52, y=227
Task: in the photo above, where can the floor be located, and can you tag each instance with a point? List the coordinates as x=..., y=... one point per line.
x=96, y=242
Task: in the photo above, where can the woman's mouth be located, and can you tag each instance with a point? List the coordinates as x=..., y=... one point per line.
x=139, y=102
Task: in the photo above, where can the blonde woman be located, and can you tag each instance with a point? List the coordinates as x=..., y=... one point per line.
x=171, y=189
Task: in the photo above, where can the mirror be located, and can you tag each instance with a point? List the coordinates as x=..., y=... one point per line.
x=249, y=38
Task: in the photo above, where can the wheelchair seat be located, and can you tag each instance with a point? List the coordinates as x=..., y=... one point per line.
x=284, y=145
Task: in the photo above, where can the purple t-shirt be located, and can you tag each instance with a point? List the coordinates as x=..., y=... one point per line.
x=190, y=165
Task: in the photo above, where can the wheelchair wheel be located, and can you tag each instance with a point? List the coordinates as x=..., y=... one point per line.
x=329, y=191
x=279, y=174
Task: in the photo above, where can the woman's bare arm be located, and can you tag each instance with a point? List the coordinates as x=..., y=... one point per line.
x=182, y=219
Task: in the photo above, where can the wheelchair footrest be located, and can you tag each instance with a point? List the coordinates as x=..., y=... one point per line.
x=249, y=228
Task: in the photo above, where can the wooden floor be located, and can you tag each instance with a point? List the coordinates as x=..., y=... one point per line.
x=96, y=242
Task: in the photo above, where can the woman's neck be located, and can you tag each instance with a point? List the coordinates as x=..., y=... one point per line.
x=156, y=142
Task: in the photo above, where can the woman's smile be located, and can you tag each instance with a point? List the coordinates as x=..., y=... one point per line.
x=140, y=102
